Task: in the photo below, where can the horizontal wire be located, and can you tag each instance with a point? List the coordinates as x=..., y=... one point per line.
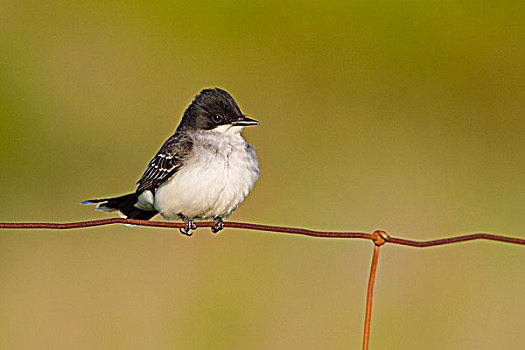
x=268, y=228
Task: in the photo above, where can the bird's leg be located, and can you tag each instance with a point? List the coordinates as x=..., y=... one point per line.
x=219, y=225
x=190, y=225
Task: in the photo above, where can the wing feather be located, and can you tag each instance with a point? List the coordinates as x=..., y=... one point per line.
x=166, y=162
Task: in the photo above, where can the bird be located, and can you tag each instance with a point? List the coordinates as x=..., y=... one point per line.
x=204, y=171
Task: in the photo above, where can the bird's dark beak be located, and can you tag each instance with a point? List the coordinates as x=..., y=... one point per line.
x=245, y=121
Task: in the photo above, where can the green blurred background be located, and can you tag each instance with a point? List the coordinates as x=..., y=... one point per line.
x=406, y=116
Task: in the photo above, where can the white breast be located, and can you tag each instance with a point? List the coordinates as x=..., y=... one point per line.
x=214, y=180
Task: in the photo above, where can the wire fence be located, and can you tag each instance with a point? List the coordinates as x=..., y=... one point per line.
x=379, y=238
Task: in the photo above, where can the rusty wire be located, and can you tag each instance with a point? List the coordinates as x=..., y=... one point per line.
x=257, y=227
x=378, y=238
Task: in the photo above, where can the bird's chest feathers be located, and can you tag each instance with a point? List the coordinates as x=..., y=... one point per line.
x=213, y=181
x=223, y=160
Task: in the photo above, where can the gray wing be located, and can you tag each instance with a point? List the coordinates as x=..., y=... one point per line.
x=166, y=162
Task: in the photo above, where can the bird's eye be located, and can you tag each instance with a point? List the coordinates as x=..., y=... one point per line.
x=217, y=118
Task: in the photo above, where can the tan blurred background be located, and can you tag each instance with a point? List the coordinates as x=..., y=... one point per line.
x=406, y=116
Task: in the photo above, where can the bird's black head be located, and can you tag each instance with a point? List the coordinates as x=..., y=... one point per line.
x=211, y=109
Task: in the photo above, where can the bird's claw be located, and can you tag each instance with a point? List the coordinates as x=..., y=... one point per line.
x=190, y=225
x=219, y=225
x=186, y=231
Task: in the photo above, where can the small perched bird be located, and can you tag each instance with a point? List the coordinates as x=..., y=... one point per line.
x=203, y=172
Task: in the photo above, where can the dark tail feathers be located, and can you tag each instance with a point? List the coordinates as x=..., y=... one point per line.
x=125, y=204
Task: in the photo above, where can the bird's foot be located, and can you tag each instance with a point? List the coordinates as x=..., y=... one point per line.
x=219, y=225
x=190, y=225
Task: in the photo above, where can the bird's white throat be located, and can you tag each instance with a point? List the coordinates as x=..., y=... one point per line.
x=213, y=181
